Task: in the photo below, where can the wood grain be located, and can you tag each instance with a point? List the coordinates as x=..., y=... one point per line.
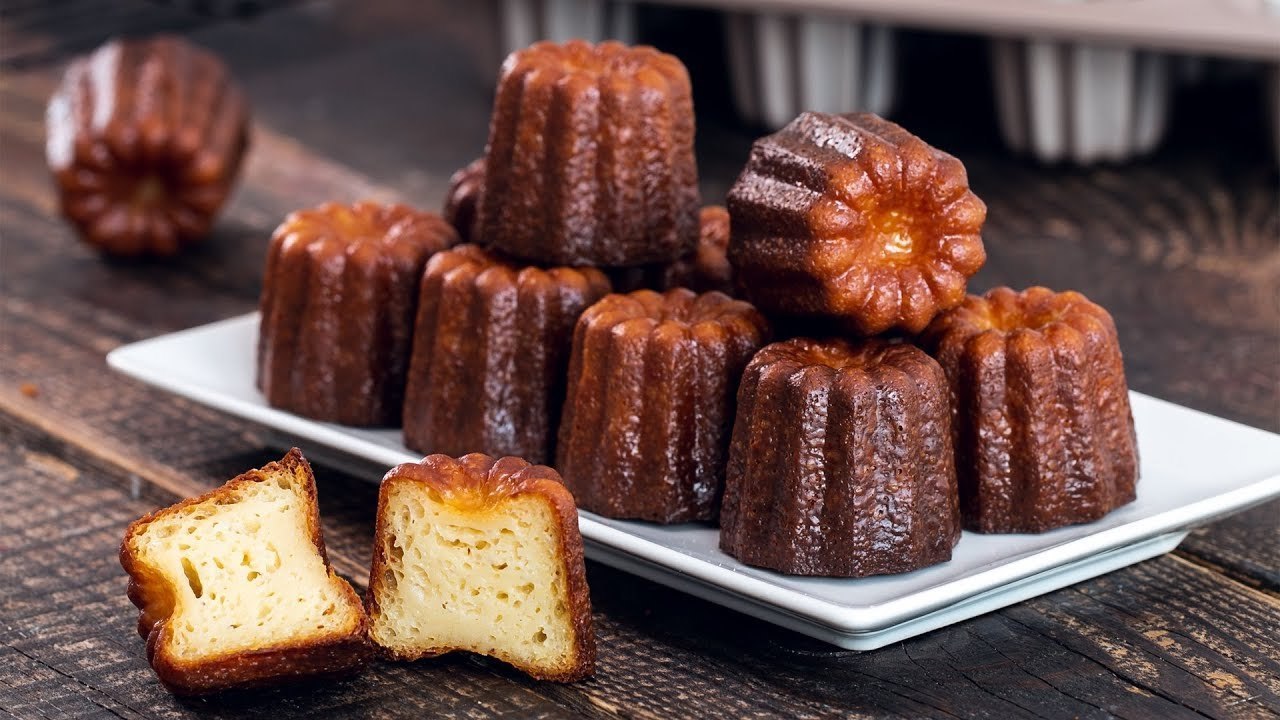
x=1123, y=639
x=1245, y=547
x=701, y=648
x=1183, y=249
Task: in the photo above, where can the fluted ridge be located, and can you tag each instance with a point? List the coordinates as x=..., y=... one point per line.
x=851, y=219
x=338, y=301
x=1044, y=433
x=491, y=349
x=650, y=402
x=590, y=157
x=144, y=138
x=841, y=461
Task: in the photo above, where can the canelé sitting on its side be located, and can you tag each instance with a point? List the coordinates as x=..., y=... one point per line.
x=145, y=138
x=853, y=220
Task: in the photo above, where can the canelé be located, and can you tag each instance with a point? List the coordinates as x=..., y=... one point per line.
x=841, y=461
x=1044, y=434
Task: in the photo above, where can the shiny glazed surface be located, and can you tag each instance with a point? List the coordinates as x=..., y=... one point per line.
x=650, y=402
x=338, y=301
x=852, y=219
x=841, y=461
x=1043, y=430
x=491, y=351
x=590, y=157
x=144, y=139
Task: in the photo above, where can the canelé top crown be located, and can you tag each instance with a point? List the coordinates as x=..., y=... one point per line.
x=1036, y=309
x=712, y=311
x=477, y=482
x=598, y=63
x=394, y=228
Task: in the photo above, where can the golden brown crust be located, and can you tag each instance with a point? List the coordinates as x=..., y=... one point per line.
x=338, y=300
x=476, y=483
x=704, y=270
x=144, y=139
x=463, y=199
x=590, y=157
x=1044, y=433
x=852, y=219
x=154, y=597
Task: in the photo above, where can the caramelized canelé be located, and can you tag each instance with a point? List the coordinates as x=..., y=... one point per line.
x=651, y=399
x=851, y=219
x=338, y=301
x=841, y=461
x=1044, y=434
x=590, y=157
x=490, y=353
x=145, y=138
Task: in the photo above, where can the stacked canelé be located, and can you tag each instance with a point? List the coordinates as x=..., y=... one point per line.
x=588, y=175
x=588, y=184
x=595, y=316
x=842, y=463
x=856, y=455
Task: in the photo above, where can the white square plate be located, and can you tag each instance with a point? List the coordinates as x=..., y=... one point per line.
x=1195, y=467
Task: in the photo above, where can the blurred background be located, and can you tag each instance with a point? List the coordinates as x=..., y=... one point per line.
x=1124, y=147
x=1072, y=83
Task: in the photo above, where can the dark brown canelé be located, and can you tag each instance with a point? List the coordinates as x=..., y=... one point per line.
x=650, y=402
x=144, y=139
x=590, y=157
x=841, y=461
x=490, y=353
x=850, y=219
x=463, y=199
x=338, y=302
x=1044, y=434
x=706, y=269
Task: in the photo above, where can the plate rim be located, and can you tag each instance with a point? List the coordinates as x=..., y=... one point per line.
x=845, y=619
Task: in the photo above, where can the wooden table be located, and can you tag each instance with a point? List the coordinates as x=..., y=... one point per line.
x=1183, y=248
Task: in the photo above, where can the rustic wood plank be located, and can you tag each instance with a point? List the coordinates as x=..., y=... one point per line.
x=1123, y=643
x=1162, y=639
x=640, y=625
x=1244, y=546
